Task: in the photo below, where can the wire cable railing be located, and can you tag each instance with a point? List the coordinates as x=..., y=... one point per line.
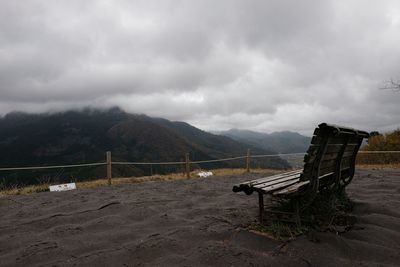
x=108, y=163
x=174, y=162
x=147, y=163
x=278, y=155
x=52, y=166
x=378, y=152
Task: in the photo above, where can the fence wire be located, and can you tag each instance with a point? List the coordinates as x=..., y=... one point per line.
x=147, y=163
x=52, y=167
x=173, y=162
x=378, y=152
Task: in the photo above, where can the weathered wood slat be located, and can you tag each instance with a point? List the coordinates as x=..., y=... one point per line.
x=331, y=149
x=291, y=189
x=276, y=177
x=332, y=169
x=270, y=178
x=330, y=156
x=278, y=181
x=326, y=175
x=332, y=162
x=271, y=188
x=297, y=186
x=250, y=184
x=316, y=140
x=341, y=130
x=345, y=164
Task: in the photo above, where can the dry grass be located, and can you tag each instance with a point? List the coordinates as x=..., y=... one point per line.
x=379, y=166
x=25, y=190
x=132, y=180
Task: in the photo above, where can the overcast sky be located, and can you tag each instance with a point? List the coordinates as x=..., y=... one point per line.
x=260, y=65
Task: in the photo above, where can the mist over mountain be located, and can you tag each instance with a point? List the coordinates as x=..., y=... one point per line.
x=75, y=137
x=281, y=142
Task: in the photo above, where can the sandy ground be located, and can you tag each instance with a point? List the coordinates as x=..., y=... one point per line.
x=198, y=222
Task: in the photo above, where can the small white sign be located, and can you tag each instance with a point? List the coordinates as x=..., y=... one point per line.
x=204, y=174
x=62, y=187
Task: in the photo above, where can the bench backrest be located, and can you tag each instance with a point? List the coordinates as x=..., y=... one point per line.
x=332, y=155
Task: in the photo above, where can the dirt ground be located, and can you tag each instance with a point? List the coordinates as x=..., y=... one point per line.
x=197, y=222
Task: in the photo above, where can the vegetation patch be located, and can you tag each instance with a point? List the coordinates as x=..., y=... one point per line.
x=327, y=213
x=279, y=230
x=392, y=166
x=17, y=190
x=381, y=142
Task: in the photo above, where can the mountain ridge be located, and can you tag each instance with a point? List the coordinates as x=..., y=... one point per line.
x=74, y=137
x=281, y=142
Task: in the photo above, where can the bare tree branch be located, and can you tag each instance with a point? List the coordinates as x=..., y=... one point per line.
x=391, y=85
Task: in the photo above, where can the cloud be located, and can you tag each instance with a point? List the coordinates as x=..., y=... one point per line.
x=263, y=65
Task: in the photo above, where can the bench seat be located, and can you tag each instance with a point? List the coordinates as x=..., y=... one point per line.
x=270, y=184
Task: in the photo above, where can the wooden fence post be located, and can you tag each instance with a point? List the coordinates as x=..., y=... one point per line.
x=109, y=167
x=187, y=166
x=248, y=161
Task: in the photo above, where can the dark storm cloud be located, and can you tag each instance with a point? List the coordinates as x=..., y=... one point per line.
x=263, y=65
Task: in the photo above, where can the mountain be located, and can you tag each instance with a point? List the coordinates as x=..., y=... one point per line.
x=75, y=137
x=282, y=142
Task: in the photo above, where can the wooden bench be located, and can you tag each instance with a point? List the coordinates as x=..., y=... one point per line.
x=328, y=165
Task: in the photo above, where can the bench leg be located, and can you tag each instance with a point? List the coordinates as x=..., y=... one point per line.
x=297, y=212
x=261, y=206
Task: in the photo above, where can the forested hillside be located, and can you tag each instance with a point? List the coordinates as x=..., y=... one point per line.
x=75, y=137
x=281, y=142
